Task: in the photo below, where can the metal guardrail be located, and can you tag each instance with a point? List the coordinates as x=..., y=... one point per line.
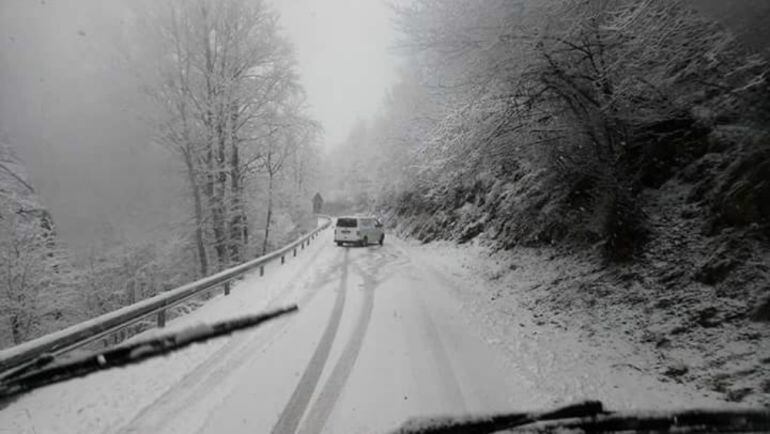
x=28, y=353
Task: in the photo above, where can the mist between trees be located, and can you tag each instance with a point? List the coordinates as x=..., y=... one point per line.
x=542, y=122
x=223, y=99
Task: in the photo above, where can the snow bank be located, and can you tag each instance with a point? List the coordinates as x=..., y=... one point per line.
x=559, y=361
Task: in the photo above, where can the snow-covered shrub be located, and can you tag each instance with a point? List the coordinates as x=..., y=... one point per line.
x=29, y=275
x=35, y=276
x=741, y=193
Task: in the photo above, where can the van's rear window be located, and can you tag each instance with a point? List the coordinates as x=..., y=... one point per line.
x=347, y=223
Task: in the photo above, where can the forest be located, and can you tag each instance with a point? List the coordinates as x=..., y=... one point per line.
x=218, y=91
x=563, y=114
x=626, y=136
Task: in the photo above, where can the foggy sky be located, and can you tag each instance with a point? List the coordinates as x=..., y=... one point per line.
x=74, y=113
x=343, y=49
x=70, y=109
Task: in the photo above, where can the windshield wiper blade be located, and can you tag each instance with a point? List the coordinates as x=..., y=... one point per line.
x=686, y=421
x=498, y=422
x=124, y=355
x=590, y=416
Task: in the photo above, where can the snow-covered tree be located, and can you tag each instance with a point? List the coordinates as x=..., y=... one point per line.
x=33, y=271
x=224, y=80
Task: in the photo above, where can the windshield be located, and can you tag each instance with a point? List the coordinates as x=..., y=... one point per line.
x=337, y=216
x=347, y=223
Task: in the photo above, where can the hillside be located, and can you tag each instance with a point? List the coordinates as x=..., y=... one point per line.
x=694, y=295
x=625, y=142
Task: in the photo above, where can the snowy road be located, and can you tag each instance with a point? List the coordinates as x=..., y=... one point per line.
x=381, y=336
x=376, y=341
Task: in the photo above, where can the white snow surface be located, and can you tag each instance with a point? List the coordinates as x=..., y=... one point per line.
x=383, y=334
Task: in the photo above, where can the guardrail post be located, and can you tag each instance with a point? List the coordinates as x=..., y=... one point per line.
x=283, y=259
x=261, y=270
x=295, y=251
x=227, y=288
x=162, y=318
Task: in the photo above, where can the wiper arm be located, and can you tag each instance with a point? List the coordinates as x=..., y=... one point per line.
x=687, y=421
x=499, y=422
x=45, y=374
x=591, y=417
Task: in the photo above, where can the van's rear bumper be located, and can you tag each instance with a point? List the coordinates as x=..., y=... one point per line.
x=350, y=237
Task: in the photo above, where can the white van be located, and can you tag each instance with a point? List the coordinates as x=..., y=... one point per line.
x=361, y=231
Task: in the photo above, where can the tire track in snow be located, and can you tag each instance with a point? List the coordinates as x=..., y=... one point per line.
x=452, y=392
x=292, y=413
x=212, y=370
x=442, y=363
x=324, y=404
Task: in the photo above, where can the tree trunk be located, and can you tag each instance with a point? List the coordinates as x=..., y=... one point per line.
x=221, y=204
x=198, y=210
x=269, y=205
x=214, y=158
x=215, y=194
x=238, y=234
x=237, y=221
x=16, y=333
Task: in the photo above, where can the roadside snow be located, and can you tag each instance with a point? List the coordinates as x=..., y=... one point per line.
x=107, y=401
x=426, y=329
x=559, y=361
